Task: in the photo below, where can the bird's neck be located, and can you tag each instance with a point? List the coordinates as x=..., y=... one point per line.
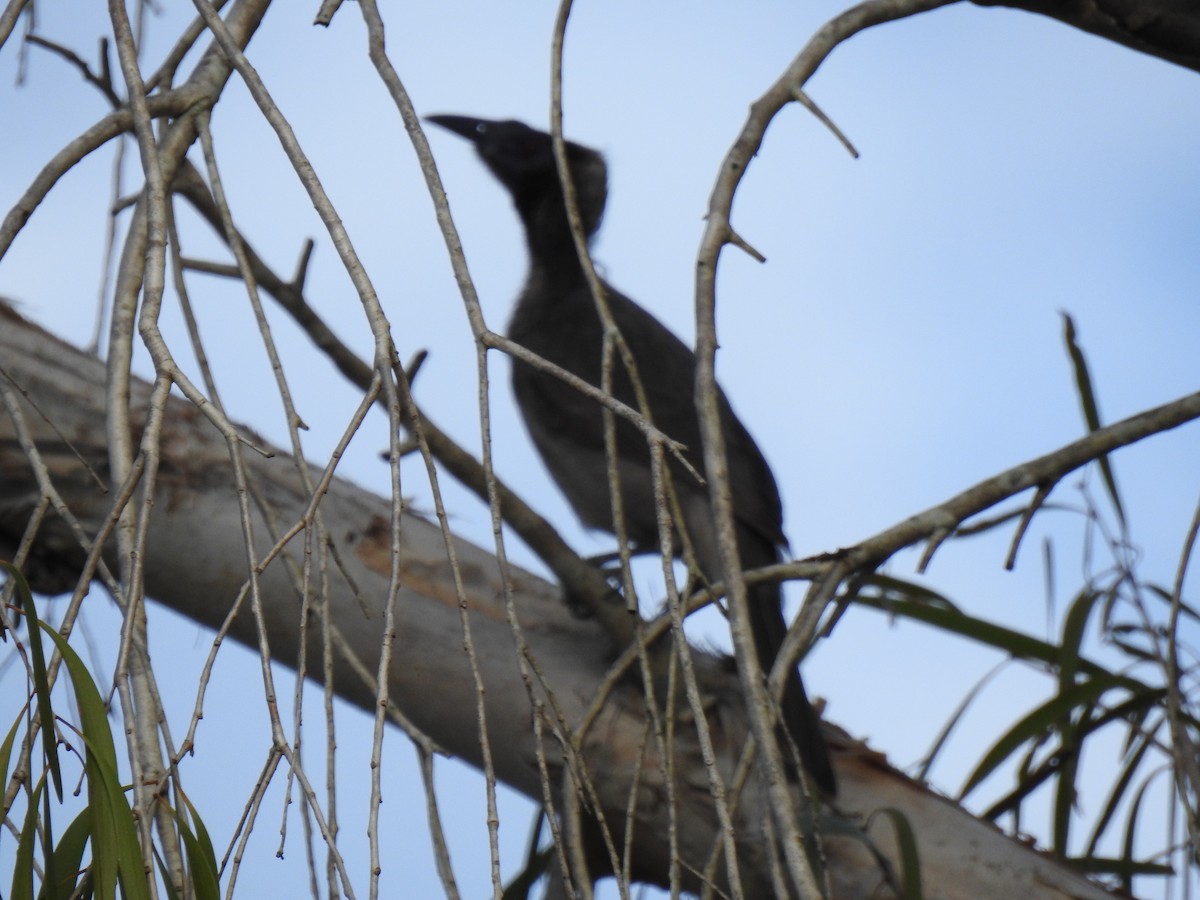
x=552, y=249
x=548, y=234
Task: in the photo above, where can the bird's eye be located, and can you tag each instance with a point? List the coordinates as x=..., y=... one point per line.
x=480, y=128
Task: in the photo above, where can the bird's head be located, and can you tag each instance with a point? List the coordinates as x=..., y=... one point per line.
x=522, y=158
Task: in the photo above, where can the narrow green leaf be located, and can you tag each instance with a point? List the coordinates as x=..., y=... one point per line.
x=1131, y=711
x=1135, y=810
x=1169, y=598
x=909, y=590
x=1073, y=633
x=22, y=883
x=1048, y=575
x=1117, y=793
x=205, y=883
x=1074, y=630
x=1123, y=868
x=1138, y=705
x=41, y=682
x=116, y=852
x=1015, y=643
x=1133, y=651
x=1065, y=784
x=1091, y=409
x=69, y=853
x=9, y=739
x=952, y=722
x=1033, y=727
x=168, y=885
x=1029, y=779
x=49, y=855
x=910, y=857
x=202, y=837
x=202, y=859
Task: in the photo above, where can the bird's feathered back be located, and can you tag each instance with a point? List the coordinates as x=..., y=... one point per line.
x=556, y=318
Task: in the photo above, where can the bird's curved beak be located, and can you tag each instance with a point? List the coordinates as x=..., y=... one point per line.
x=464, y=126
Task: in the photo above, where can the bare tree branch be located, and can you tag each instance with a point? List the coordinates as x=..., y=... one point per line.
x=187, y=566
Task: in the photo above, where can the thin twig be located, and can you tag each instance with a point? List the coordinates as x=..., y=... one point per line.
x=132, y=669
x=1038, y=501
x=718, y=233
x=102, y=81
x=8, y=18
x=1183, y=749
x=807, y=102
x=1047, y=469
x=579, y=578
x=327, y=11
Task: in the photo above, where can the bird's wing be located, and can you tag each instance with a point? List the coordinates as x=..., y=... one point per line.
x=668, y=370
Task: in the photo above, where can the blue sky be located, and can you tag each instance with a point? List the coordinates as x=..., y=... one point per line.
x=902, y=342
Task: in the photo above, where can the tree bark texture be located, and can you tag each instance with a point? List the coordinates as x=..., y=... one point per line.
x=196, y=564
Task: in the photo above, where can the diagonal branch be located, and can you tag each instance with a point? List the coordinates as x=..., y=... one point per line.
x=581, y=580
x=718, y=233
x=948, y=516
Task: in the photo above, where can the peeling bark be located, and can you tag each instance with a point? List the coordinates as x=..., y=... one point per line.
x=196, y=565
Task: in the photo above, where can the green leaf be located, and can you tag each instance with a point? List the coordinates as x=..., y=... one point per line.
x=1091, y=409
x=1064, y=788
x=910, y=857
x=1033, y=727
x=69, y=853
x=22, y=883
x=9, y=739
x=1135, y=809
x=1117, y=792
x=1029, y=779
x=49, y=855
x=168, y=885
x=1074, y=630
x=204, y=841
x=952, y=722
x=1168, y=598
x=899, y=588
x=1015, y=643
x=1125, y=869
x=116, y=852
x=202, y=860
x=1139, y=704
x=41, y=682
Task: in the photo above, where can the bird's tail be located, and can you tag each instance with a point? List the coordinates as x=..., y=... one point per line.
x=799, y=718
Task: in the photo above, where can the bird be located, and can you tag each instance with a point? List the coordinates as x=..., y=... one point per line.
x=555, y=317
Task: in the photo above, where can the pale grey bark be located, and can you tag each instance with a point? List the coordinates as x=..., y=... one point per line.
x=195, y=564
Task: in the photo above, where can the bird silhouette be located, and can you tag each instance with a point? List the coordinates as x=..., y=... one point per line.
x=555, y=317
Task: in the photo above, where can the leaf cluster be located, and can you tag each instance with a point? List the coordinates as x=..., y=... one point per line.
x=99, y=854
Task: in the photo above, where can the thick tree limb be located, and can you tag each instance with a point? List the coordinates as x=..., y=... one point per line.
x=1168, y=29
x=194, y=564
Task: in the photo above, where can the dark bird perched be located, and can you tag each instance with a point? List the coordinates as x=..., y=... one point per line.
x=556, y=318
